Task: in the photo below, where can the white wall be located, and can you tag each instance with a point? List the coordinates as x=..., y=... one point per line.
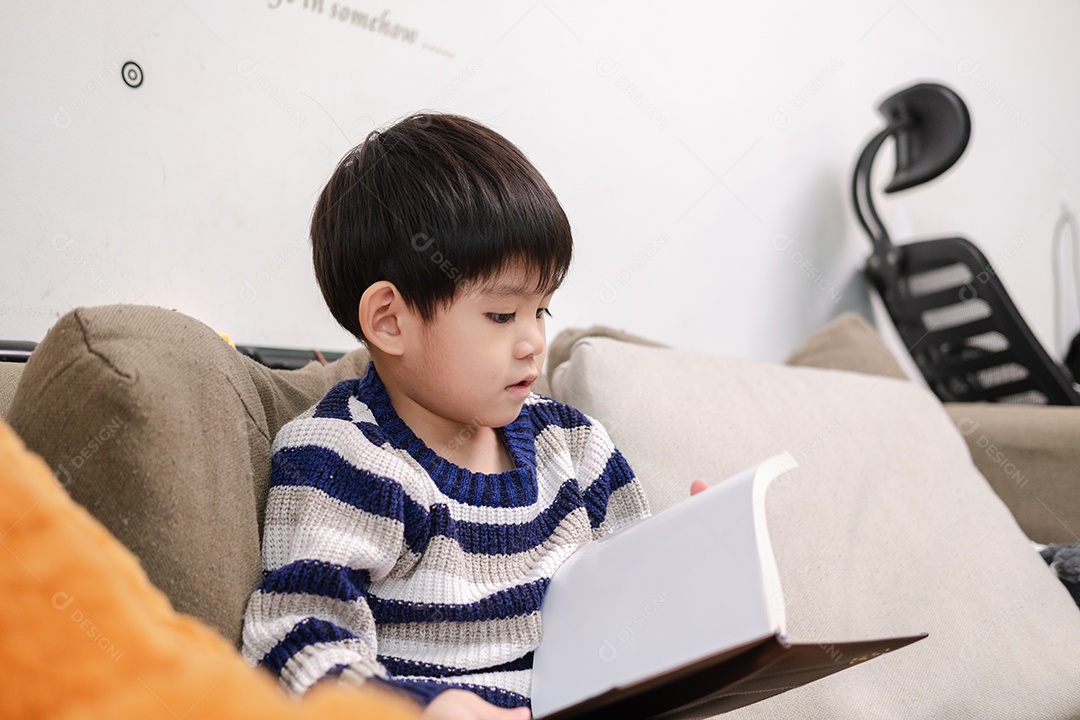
x=703, y=151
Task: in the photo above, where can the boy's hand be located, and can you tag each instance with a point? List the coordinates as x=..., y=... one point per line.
x=464, y=705
x=697, y=486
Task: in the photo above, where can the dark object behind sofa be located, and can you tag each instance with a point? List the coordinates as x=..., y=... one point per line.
x=948, y=304
x=1064, y=560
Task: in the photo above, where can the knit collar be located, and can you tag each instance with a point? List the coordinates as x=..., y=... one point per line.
x=512, y=488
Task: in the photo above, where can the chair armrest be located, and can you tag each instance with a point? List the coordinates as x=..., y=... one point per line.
x=1030, y=455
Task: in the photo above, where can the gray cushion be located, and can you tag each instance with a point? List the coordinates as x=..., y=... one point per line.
x=163, y=431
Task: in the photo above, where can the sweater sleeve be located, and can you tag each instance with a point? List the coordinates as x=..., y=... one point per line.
x=330, y=529
x=613, y=496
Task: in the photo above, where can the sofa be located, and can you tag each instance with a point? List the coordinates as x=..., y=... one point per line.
x=904, y=516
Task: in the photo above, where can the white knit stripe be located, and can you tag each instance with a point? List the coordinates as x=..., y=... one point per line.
x=594, y=451
x=289, y=609
x=463, y=645
x=271, y=616
x=515, y=681
x=308, y=666
x=359, y=412
x=447, y=574
x=347, y=536
x=283, y=544
x=349, y=443
x=521, y=632
x=313, y=431
x=552, y=460
x=304, y=522
x=261, y=636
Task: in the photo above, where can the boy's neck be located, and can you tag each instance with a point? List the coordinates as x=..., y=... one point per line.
x=467, y=445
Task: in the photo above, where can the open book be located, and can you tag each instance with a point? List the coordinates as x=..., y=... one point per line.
x=679, y=616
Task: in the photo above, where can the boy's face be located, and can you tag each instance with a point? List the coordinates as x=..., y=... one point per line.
x=475, y=361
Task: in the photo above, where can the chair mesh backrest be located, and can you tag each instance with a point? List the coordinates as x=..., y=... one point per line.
x=963, y=330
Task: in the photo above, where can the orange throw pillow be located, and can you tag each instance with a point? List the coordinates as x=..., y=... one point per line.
x=84, y=632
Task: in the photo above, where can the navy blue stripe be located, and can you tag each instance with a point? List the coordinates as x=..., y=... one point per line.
x=317, y=467
x=557, y=414
x=317, y=577
x=425, y=691
x=323, y=469
x=497, y=696
x=419, y=690
x=335, y=404
x=512, y=602
x=616, y=474
x=401, y=666
x=499, y=539
x=308, y=632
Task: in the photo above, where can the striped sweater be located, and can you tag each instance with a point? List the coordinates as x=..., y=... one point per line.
x=383, y=562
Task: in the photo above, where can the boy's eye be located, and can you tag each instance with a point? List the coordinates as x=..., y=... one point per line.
x=542, y=312
x=501, y=318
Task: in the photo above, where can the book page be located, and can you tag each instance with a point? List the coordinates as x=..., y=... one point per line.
x=694, y=579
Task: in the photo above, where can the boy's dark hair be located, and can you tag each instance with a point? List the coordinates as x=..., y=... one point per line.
x=428, y=204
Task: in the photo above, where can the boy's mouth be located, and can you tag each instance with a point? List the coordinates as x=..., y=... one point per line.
x=523, y=385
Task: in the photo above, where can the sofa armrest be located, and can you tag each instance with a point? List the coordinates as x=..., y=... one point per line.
x=1030, y=455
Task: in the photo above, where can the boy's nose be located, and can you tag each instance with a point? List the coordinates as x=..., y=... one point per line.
x=532, y=341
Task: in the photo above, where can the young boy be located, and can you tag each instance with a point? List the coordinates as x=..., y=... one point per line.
x=416, y=514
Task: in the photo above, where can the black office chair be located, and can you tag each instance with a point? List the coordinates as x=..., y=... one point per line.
x=949, y=306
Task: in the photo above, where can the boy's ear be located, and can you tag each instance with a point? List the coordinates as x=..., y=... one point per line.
x=383, y=315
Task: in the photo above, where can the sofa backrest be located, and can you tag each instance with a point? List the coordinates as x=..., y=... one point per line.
x=163, y=431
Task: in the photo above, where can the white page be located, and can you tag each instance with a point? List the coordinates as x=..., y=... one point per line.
x=692, y=580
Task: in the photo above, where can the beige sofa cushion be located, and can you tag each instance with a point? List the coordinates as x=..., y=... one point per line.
x=163, y=431
x=886, y=528
x=847, y=342
x=1030, y=455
